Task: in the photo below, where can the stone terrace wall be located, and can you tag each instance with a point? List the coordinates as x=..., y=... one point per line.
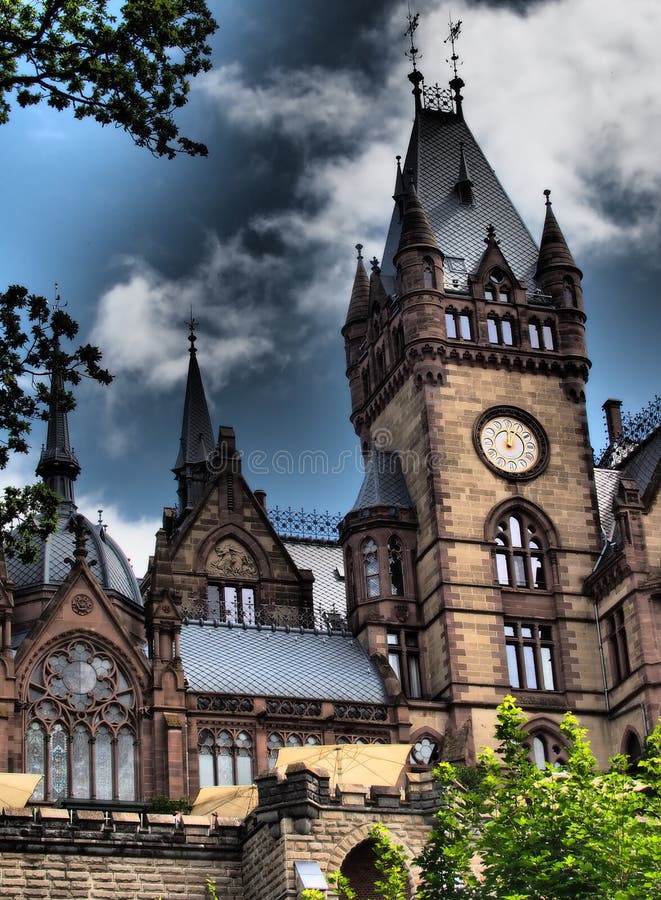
x=95, y=856
x=48, y=854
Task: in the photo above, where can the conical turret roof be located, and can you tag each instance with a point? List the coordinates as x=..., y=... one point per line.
x=416, y=229
x=360, y=294
x=553, y=250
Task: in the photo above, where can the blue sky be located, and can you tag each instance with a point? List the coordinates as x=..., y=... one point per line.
x=304, y=112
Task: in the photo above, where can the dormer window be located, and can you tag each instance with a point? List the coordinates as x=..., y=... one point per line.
x=497, y=290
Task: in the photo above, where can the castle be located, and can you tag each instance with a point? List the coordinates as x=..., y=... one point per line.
x=485, y=554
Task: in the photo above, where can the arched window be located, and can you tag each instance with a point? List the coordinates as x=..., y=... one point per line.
x=398, y=342
x=396, y=566
x=547, y=749
x=541, y=335
x=276, y=740
x=225, y=757
x=428, y=273
x=81, y=732
x=500, y=330
x=497, y=289
x=365, y=377
x=618, y=647
x=425, y=752
x=380, y=364
x=519, y=555
x=371, y=567
x=458, y=324
x=360, y=870
x=633, y=749
x=569, y=292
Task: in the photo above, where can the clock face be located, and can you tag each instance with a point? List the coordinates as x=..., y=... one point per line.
x=511, y=442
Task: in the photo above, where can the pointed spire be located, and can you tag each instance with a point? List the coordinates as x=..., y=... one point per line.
x=416, y=229
x=196, y=442
x=360, y=294
x=58, y=466
x=553, y=248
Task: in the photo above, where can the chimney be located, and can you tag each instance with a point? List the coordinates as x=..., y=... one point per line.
x=612, y=411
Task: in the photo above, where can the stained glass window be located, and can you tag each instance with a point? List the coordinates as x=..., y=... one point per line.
x=81, y=720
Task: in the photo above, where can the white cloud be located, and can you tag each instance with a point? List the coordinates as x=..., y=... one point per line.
x=140, y=320
x=295, y=103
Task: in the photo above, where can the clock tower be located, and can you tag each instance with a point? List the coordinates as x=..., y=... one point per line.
x=467, y=367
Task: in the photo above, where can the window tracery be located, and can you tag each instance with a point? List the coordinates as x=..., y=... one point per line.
x=225, y=757
x=371, y=568
x=81, y=731
x=520, y=558
x=279, y=739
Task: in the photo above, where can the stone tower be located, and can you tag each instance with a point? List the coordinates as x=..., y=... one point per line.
x=468, y=546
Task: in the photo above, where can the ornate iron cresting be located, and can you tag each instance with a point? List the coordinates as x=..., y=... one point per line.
x=636, y=428
x=297, y=523
x=437, y=98
x=196, y=610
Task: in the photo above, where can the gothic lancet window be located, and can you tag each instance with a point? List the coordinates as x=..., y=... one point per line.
x=81, y=731
x=428, y=273
x=519, y=553
x=458, y=324
x=396, y=566
x=371, y=567
x=541, y=335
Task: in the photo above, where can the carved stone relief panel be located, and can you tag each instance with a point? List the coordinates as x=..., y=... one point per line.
x=229, y=559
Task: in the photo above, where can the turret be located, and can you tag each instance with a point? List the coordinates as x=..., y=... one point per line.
x=557, y=274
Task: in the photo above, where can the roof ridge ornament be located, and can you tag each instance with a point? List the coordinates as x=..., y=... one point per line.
x=192, y=337
x=415, y=77
x=456, y=82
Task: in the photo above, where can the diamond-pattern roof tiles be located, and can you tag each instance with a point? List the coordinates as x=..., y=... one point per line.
x=277, y=663
x=327, y=565
x=384, y=483
x=435, y=157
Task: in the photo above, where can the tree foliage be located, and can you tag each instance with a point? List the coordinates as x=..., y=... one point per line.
x=33, y=339
x=522, y=832
x=130, y=70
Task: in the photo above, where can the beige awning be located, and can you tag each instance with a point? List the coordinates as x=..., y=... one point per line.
x=364, y=764
x=17, y=788
x=229, y=801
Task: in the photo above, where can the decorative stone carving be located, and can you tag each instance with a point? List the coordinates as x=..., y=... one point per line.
x=230, y=560
x=82, y=605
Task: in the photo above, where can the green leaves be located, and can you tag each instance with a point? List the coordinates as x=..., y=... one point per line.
x=520, y=832
x=32, y=333
x=131, y=71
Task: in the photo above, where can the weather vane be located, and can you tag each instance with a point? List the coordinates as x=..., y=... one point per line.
x=455, y=31
x=412, y=53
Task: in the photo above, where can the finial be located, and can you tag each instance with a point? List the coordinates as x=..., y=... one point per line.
x=100, y=521
x=192, y=325
x=456, y=83
x=359, y=247
x=374, y=262
x=412, y=53
x=399, y=162
x=547, y=194
x=455, y=31
x=491, y=235
x=77, y=526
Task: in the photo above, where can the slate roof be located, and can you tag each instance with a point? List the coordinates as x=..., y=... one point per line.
x=196, y=440
x=384, y=483
x=434, y=155
x=327, y=564
x=112, y=570
x=643, y=463
x=606, y=482
x=276, y=663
